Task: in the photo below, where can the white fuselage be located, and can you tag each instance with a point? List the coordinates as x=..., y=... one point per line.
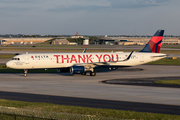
x=61, y=60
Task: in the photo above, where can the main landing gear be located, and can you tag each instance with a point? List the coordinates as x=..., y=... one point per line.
x=92, y=73
x=25, y=72
x=84, y=73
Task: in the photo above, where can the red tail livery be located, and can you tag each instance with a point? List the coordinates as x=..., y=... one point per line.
x=154, y=44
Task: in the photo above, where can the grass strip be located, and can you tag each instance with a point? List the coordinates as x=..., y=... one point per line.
x=6, y=56
x=29, y=113
x=171, y=46
x=170, y=51
x=165, y=61
x=4, y=69
x=111, y=113
x=173, y=82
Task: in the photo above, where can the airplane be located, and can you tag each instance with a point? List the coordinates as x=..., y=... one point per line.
x=81, y=63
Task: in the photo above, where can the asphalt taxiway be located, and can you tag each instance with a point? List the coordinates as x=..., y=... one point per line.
x=83, y=88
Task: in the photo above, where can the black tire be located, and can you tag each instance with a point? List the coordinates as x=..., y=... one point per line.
x=92, y=74
x=83, y=73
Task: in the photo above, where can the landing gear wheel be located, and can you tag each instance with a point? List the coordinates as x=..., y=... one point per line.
x=83, y=73
x=25, y=73
x=92, y=74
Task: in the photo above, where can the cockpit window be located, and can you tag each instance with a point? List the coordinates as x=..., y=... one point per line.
x=15, y=59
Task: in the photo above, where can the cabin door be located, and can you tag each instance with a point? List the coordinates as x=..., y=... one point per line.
x=141, y=58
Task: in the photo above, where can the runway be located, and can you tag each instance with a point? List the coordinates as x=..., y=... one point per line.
x=90, y=88
x=93, y=103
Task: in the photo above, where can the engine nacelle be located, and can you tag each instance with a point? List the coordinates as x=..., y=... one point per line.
x=62, y=70
x=77, y=69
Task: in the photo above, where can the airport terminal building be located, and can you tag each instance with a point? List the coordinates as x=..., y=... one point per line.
x=102, y=41
x=21, y=41
x=135, y=41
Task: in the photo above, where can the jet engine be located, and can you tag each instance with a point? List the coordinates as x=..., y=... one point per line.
x=77, y=69
x=62, y=70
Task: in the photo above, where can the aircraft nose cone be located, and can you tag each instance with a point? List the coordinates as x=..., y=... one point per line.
x=9, y=64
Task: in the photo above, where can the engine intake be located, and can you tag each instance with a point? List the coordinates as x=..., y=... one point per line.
x=77, y=69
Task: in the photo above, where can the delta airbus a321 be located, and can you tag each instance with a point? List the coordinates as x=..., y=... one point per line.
x=81, y=63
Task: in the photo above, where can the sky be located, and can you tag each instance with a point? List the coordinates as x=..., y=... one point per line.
x=89, y=17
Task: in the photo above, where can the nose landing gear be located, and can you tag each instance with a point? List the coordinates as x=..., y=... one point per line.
x=25, y=73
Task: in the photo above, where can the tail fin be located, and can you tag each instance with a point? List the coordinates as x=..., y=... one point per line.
x=154, y=44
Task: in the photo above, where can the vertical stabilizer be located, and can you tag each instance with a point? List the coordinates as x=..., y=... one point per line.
x=154, y=44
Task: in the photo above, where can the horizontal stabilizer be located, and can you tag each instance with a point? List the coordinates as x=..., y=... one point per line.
x=160, y=56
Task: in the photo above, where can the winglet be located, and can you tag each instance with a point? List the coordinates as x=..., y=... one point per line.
x=84, y=50
x=129, y=56
x=124, y=59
